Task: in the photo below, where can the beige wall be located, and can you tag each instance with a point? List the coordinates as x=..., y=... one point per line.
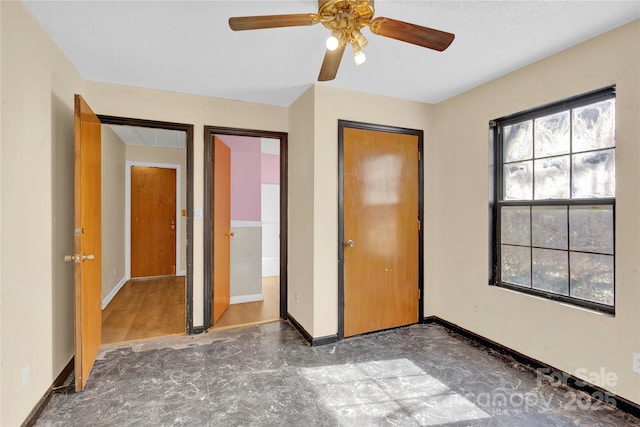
x=330, y=105
x=125, y=101
x=113, y=241
x=37, y=88
x=301, y=218
x=313, y=192
x=563, y=336
x=173, y=156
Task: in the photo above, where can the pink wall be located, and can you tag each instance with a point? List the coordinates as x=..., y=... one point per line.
x=245, y=177
x=270, y=168
x=249, y=170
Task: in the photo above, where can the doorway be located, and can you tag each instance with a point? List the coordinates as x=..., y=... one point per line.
x=247, y=244
x=380, y=233
x=153, y=220
x=152, y=297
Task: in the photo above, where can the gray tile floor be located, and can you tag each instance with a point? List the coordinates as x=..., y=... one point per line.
x=267, y=375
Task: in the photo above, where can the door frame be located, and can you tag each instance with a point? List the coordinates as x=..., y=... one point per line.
x=209, y=132
x=188, y=129
x=127, y=209
x=342, y=124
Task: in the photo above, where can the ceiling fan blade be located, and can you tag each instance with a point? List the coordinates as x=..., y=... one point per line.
x=242, y=23
x=411, y=33
x=330, y=64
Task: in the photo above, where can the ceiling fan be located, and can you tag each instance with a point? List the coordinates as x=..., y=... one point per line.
x=346, y=19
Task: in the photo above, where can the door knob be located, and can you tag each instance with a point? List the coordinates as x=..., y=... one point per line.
x=231, y=234
x=78, y=258
x=349, y=244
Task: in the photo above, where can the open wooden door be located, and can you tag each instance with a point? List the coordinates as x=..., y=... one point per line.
x=153, y=221
x=381, y=230
x=221, y=229
x=87, y=257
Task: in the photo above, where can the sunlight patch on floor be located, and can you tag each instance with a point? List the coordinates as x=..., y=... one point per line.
x=391, y=390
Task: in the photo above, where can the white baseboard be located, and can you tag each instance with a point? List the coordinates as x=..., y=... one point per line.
x=114, y=291
x=246, y=298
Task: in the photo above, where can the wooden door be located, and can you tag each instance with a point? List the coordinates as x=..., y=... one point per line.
x=380, y=212
x=87, y=246
x=153, y=221
x=221, y=229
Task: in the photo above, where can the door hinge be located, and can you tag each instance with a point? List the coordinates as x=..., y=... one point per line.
x=418, y=293
x=419, y=224
x=419, y=156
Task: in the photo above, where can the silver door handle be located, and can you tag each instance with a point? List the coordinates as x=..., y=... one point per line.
x=349, y=244
x=69, y=258
x=88, y=257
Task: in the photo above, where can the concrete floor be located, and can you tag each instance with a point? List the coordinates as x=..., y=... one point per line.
x=267, y=375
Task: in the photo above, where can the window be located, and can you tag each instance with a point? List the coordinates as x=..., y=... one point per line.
x=554, y=207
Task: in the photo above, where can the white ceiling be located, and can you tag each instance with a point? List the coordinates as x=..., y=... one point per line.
x=150, y=137
x=187, y=46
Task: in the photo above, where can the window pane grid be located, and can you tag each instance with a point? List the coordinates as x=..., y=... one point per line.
x=515, y=271
x=578, y=263
x=522, y=166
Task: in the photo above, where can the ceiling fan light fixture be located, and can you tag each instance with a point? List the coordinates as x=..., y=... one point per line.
x=359, y=39
x=334, y=40
x=358, y=55
x=332, y=43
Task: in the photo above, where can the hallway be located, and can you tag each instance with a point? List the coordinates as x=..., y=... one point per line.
x=268, y=375
x=145, y=308
x=155, y=307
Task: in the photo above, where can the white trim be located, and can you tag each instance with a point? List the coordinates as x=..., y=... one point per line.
x=246, y=223
x=127, y=210
x=182, y=273
x=114, y=291
x=246, y=298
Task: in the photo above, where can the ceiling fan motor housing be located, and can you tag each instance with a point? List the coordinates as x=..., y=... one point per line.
x=346, y=18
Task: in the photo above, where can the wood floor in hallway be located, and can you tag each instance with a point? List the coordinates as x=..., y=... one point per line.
x=145, y=308
x=253, y=313
x=155, y=307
